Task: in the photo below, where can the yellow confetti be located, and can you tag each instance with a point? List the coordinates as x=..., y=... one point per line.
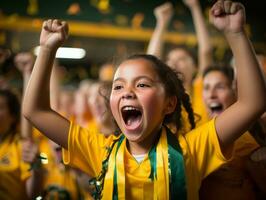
x=137, y=20
x=33, y=7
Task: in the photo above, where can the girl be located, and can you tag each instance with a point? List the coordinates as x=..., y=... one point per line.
x=146, y=161
x=16, y=181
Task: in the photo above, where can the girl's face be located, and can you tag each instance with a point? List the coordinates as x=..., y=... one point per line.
x=179, y=60
x=138, y=101
x=6, y=118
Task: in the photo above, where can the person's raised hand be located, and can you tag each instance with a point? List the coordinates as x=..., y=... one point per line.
x=164, y=12
x=54, y=33
x=228, y=16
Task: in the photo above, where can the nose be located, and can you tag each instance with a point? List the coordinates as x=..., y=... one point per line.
x=212, y=94
x=129, y=94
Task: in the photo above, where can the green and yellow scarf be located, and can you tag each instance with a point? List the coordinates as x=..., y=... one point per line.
x=167, y=170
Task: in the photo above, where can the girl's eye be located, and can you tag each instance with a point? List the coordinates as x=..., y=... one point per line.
x=221, y=87
x=117, y=87
x=142, y=85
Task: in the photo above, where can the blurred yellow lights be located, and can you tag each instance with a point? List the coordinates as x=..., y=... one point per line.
x=66, y=52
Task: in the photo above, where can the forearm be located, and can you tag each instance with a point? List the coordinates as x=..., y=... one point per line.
x=251, y=87
x=54, y=88
x=251, y=100
x=156, y=43
x=202, y=34
x=36, y=97
x=26, y=127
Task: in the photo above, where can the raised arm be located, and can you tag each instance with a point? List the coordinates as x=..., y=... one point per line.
x=202, y=34
x=163, y=15
x=24, y=62
x=229, y=17
x=36, y=104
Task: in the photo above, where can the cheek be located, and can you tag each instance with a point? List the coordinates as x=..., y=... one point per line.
x=153, y=102
x=204, y=95
x=227, y=98
x=230, y=99
x=114, y=106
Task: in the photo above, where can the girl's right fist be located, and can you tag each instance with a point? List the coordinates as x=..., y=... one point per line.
x=54, y=33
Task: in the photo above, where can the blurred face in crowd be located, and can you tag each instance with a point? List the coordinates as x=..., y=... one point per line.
x=80, y=103
x=66, y=102
x=97, y=103
x=218, y=93
x=180, y=60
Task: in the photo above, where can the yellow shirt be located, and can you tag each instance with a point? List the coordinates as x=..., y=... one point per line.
x=197, y=101
x=200, y=147
x=232, y=181
x=13, y=171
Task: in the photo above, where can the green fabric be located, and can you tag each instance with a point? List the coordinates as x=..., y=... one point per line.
x=153, y=162
x=177, y=185
x=177, y=179
x=115, y=189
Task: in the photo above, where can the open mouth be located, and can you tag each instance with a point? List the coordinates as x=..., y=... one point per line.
x=131, y=116
x=216, y=107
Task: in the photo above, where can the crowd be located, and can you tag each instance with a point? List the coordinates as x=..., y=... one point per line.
x=149, y=128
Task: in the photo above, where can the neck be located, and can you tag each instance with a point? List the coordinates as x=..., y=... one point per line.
x=143, y=147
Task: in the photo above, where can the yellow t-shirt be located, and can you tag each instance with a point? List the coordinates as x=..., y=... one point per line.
x=232, y=181
x=197, y=101
x=200, y=147
x=13, y=171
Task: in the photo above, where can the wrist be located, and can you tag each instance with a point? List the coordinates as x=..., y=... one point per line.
x=48, y=49
x=162, y=24
x=194, y=6
x=234, y=35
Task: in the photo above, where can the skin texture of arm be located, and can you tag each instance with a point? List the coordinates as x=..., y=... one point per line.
x=229, y=17
x=202, y=34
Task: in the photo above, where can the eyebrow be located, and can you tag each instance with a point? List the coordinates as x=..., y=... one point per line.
x=136, y=79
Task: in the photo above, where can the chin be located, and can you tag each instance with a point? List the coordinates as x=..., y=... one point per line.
x=131, y=136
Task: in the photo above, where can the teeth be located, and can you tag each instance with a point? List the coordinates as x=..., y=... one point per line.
x=129, y=108
x=214, y=104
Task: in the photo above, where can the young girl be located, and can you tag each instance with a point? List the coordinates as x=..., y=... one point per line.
x=146, y=161
x=16, y=181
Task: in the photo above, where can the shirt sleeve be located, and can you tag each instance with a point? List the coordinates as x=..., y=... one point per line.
x=205, y=149
x=86, y=149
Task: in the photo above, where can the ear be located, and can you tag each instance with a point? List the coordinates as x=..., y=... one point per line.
x=171, y=105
